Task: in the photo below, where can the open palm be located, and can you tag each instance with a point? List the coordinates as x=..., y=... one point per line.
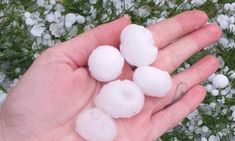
x=45, y=103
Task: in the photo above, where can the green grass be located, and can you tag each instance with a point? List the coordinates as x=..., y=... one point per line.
x=15, y=41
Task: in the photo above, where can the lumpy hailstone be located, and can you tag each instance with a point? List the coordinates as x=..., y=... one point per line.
x=137, y=45
x=120, y=99
x=220, y=81
x=152, y=81
x=105, y=63
x=95, y=125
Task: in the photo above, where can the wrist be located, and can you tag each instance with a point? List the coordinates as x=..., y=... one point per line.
x=1, y=131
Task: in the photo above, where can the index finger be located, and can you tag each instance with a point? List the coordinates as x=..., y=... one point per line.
x=79, y=48
x=173, y=28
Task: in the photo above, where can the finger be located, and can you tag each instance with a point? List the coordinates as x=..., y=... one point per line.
x=177, y=26
x=178, y=52
x=172, y=115
x=198, y=72
x=185, y=80
x=127, y=72
x=79, y=48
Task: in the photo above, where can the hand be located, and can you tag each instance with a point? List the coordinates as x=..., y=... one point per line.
x=46, y=101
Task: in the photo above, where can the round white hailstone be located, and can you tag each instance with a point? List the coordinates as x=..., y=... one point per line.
x=57, y=14
x=136, y=33
x=93, y=1
x=105, y=63
x=198, y=2
x=70, y=19
x=208, y=87
x=17, y=70
x=224, y=24
x=213, y=138
x=223, y=92
x=232, y=28
x=232, y=19
x=50, y=17
x=200, y=122
x=227, y=6
x=95, y=125
x=52, y=2
x=215, y=92
x=3, y=97
x=203, y=139
x=40, y=3
x=27, y=14
x=120, y=99
x=232, y=75
x=37, y=30
x=137, y=45
x=224, y=42
x=220, y=81
x=233, y=115
x=152, y=81
x=205, y=129
x=213, y=105
x=222, y=18
x=81, y=19
x=29, y=21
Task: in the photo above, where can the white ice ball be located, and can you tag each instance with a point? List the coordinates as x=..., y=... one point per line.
x=120, y=99
x=220, y=81
x=105, y=63
x=136, y=33
x=81, y=19
x=137, y=45
x=95, y=125
x=215, y=92
x=152, y=81
x=3, y=97
x=70, y=19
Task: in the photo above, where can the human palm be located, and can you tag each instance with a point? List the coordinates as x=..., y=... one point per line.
x=45, y=103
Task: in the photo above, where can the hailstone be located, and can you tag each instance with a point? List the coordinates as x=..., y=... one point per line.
x=137, y=45
x=120, y=99
x=105, y=63
x=3, y=97
x=220, y=81
x=152, y=81
x=70, y=19
x=95, y=125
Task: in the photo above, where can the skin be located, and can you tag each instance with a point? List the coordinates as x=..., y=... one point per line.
x=44, y=104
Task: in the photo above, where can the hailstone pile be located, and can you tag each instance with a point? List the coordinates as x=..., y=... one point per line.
x=122, y=98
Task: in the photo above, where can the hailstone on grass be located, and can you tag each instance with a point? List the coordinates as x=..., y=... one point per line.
x=3, y=97
x=220, y=81
x=70, y=19
x=152, y=81
x=120, y=99
x=105, y=63
x=137, y=45
x=95, y=125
